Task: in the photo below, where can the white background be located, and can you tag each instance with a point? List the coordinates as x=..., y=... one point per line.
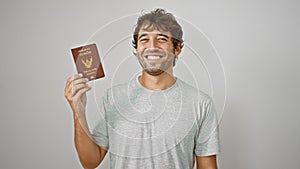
x=257, y=41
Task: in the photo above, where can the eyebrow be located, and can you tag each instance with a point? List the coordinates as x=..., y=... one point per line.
x=142, y=35
x=159, y=34
x=166, y=36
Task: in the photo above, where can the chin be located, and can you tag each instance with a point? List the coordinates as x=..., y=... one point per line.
x=154, y=72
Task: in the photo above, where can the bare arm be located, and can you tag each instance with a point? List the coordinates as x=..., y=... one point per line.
x=90, y=154
x=206, y=162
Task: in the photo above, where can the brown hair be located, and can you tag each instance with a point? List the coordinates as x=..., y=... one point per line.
x=161, y=20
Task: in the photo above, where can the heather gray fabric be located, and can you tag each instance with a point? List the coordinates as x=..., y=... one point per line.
x=150, y=129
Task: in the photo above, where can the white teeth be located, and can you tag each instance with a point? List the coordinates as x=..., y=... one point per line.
x=153, y=57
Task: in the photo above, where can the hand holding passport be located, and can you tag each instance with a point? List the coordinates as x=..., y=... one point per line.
x=88, y=61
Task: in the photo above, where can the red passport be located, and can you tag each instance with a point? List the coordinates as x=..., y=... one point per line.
x=87, y=60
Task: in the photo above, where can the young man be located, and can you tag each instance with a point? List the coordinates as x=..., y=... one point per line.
x=154, y=121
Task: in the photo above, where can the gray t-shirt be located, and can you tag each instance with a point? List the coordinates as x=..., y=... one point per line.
x=163, y=129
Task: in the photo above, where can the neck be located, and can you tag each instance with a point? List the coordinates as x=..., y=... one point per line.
x=159, y=82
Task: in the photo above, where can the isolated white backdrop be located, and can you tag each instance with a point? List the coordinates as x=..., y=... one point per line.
x=257, y=42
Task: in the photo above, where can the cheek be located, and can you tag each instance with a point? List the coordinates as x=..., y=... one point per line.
x=140, y=49
x=169, y=52
x=169, y=48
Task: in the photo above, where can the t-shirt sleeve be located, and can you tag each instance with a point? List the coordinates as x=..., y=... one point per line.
x=100, y=131
x=207, y=138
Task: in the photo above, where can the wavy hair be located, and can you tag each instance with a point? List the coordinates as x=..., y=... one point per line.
x=161, y=20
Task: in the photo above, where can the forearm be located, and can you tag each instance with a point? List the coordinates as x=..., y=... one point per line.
x=207, y=162
x=88, y=151
x=207, y=167
x=90, y=154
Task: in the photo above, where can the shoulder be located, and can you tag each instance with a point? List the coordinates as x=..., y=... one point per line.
x=191, y=92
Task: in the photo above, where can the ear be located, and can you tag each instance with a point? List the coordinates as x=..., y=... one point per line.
x=134, y=52
x=178, y=49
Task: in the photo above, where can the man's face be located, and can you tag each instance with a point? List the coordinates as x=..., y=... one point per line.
x=155, y=51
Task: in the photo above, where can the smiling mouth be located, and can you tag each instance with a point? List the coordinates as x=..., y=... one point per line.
x=153, y=57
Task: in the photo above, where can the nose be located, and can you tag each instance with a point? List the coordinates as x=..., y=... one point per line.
x=152, y=43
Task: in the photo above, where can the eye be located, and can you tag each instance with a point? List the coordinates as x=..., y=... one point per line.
x=162, y=39
x=143, y=40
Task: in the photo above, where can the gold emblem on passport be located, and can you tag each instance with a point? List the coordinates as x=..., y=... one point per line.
x=88, y=62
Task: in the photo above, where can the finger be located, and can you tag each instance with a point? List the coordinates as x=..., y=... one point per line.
x=74, y=81
x=79, y=81
x=72, y=78
x=72, y=86
x=69, y=95
x=76, y=88
x=81, y=92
